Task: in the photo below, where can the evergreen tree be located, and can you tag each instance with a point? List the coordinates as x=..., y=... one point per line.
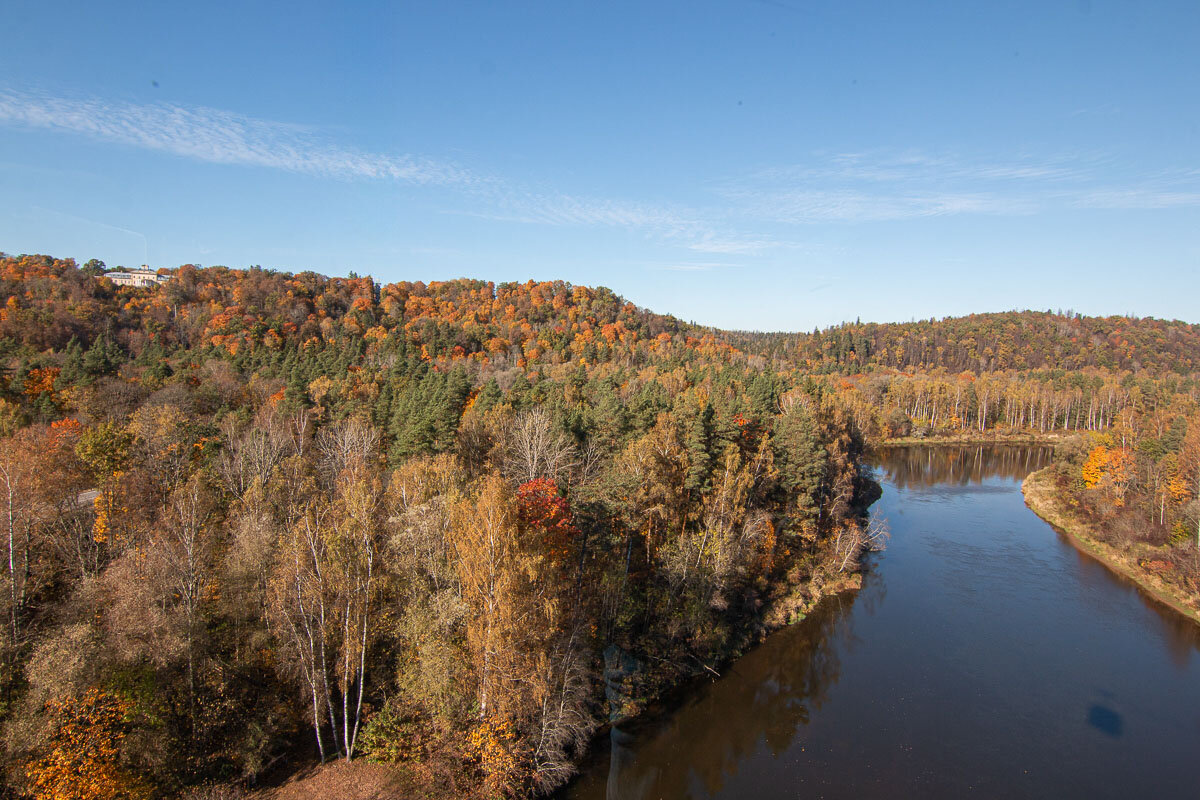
x=698, y=441
x=381, y=409
x=456, y=388
x=72, y=371
x=800, y=459
x=103, y=357
x=489, y=395
x=520, y=394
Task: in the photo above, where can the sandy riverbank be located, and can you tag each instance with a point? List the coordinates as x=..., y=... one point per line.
x=1042, y=496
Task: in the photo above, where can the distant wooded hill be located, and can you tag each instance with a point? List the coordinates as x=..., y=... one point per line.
x=1010, y=340
x=255, y=314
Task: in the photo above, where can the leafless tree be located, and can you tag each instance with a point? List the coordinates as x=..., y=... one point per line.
x=344, y=445
x=359, y=509
x=590, y=463
x=17, y=522
x=564, y=721
x=323, y=599
x=534, y=449
x=185, y=550
x=253, y=454
x=299, y=600
x=853, y=539
x=73, y=541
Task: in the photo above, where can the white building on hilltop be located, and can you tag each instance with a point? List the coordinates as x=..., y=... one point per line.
x=142, y=277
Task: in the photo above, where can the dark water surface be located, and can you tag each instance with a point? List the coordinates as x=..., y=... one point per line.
x=983, y=657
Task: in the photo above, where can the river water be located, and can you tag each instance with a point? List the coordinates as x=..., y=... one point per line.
x=984, y=656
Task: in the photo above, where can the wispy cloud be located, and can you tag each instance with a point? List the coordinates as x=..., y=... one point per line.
x=1138, y=199
x=709, y=242
x=217, y=136
x=224, y=137
x=748, y=216
x=695, y=266
x=553, y=208
x=880, y=187
x=812, y=206
x=918, y=168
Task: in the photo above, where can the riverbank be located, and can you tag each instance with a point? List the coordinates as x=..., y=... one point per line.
x=1043, y=498
x=660, y=690
x=363, y=780
x=976, y=438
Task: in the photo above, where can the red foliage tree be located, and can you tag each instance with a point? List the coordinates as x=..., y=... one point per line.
x=543, y=513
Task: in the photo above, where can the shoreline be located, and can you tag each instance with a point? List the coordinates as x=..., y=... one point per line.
x=819, y=589
x=1047, y=439
x=787, y=610
x=1041, y=497
x=791, y=608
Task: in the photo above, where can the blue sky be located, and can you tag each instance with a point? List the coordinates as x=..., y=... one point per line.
x=766, y=165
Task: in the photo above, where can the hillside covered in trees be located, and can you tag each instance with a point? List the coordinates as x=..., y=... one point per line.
x=1014, y=340
x=255, y=518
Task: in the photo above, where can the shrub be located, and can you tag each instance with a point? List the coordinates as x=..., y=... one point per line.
x=396, y=733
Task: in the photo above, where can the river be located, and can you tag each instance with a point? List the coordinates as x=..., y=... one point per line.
x=984, y=656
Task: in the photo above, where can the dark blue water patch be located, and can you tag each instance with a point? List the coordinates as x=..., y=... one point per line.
x=1105, y=720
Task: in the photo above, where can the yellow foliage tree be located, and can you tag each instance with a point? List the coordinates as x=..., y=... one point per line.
x=1110, y=468
x=1093, y=468
x=494, y=745
x=83, y=759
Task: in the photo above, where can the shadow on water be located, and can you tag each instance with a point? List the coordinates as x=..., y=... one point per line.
x=774, y=688
x=1105, y=720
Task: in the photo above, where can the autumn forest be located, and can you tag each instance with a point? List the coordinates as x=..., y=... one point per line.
x=255, y=521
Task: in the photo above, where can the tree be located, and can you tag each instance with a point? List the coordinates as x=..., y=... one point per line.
x=800, y=458
x=1189, y=464
x=1108, y=468
x=323, y=596
x=184, y=547
x=356, y=510
x=345, y=447
x=17, y=475
x=484, y=540
x=300, y=603
x=535, y=449
x=526, y=644
x=732, y=539
x=103, y=357
x=698, y=438
x=546, y=517
x=649, y=478
x=39, y=486
x=94, y=267
x=83, y=757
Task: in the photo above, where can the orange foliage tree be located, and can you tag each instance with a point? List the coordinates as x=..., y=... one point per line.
x=83, y=758
x=497, y=750
x=1108, y=468
x=544, y=514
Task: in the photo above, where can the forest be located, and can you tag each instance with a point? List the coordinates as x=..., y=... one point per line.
x=256, y=519
x=1136, y=490
x=1014, y=340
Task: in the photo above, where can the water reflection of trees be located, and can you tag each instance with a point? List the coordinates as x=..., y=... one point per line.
x=919, y=467
x=766, y=697
x=1178, y=633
